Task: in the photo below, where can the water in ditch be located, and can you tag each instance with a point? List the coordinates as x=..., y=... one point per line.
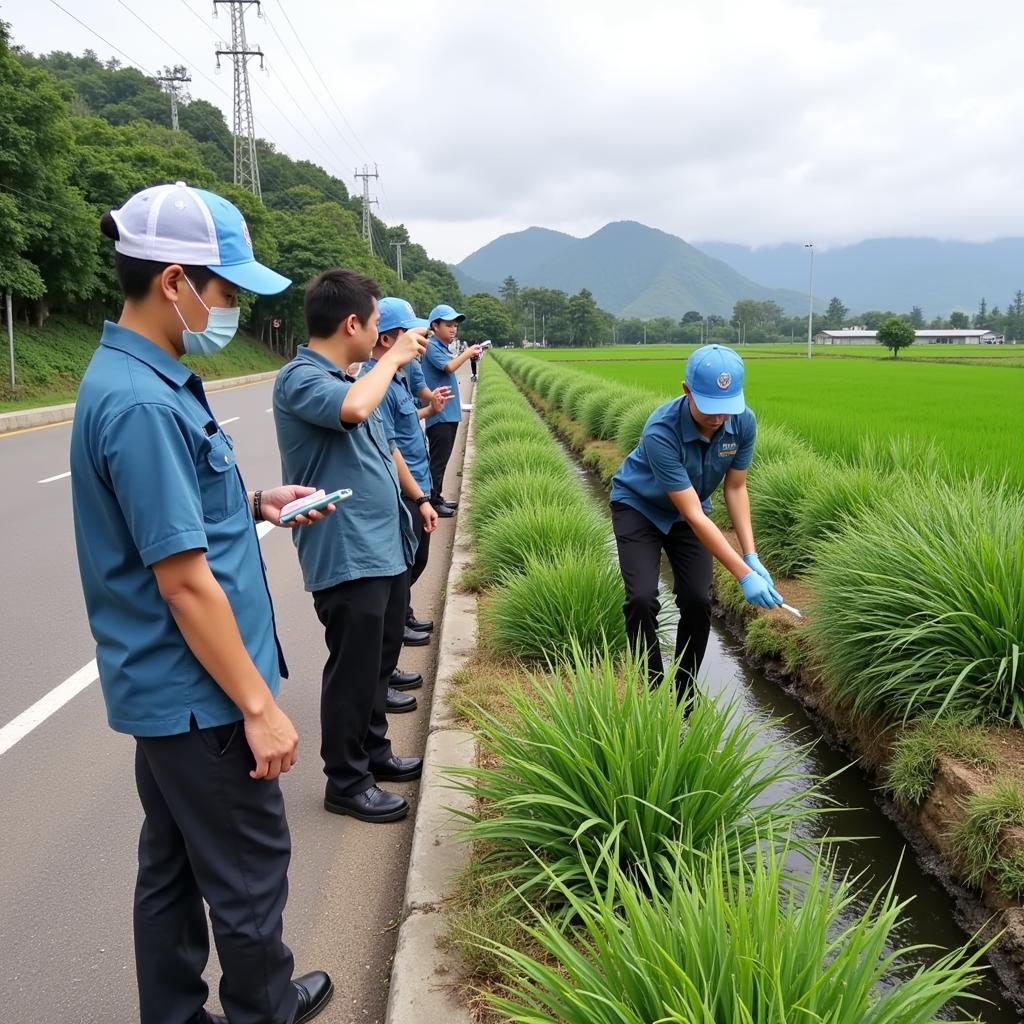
x=933, y=917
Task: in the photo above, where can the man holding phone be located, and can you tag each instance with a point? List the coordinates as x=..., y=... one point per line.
x=178, y=603
x=329, y=429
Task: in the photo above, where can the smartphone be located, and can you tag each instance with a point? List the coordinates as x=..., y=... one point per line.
x=312, y=503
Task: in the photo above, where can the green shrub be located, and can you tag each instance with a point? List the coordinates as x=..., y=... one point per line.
x=547, y=608
x=676, y=945
x=776, y=496
x=978, y=838
x=920, y=606
x=545, y=534
x=523, y=489
x=538, y=457
x=632, y=422
x=915, y=755
x=592, y=761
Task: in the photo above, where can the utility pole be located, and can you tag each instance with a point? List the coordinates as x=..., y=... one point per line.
x=645, y=332
x=247, y=172
x=174, y=78
x=367, y=202
x=10, y=334
x=397, y=246
x=543, y=331
x=810, y=299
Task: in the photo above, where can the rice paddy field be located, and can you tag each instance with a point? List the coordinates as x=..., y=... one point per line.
x=962, y=411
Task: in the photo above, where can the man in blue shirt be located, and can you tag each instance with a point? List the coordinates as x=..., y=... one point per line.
x=661, y=500
x=331, y=435
x=178, y=604
x=402, y=425
x=439, y=367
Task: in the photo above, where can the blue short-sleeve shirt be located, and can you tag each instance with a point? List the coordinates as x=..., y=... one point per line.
x=369, y=535
x=417, y=382
x=402, y=426
x=673, y=455
x=435, y=359
x=153, y=475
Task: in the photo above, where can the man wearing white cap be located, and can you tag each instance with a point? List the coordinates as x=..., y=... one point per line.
x=179, y=606
x=661, y=500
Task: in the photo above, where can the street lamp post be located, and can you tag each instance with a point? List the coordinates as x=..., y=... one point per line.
x=533, y=306
x=810, y=300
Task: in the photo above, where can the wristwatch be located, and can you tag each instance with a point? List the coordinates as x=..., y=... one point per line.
x=422, y=499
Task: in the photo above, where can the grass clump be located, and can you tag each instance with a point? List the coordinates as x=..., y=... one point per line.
x=548, y=492
x=509, y=432
x=592, y=409
x=596, y=762
x=978, y=838
x=920, y=606
x=632, y=421
x=674, y=944
x=915, y=756
x=538, y=457
x=626, y=399
x=767, y=637
x=843, y=495
x=527, y=533
x=544, y=609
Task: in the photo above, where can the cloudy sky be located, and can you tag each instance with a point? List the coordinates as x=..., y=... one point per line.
x=752, y=121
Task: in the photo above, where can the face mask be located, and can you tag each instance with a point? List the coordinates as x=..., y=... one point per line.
x=221, y=327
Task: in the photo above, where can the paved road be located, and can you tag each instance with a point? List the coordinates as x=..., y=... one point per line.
x=68, y=808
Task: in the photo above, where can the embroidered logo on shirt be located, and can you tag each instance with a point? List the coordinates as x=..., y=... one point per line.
x=727, y=449
x=725, y=380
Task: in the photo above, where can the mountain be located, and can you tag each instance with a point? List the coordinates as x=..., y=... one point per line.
x=890, y=273
x=631, y=269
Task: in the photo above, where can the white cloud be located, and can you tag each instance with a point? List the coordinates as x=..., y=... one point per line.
x=755, y=121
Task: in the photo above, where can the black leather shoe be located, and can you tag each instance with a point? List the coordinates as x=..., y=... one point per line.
x=315, y=990
x=414, y=639
x=405, y=680
x=374, y=804
x=453, y=505
x=399, y=703
x=444, y=511
x=398, y=769
x=419, y=625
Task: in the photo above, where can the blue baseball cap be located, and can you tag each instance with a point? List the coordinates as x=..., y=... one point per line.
x=395, y=313
x=443, y=312
x=179, y=224
x=714, y=375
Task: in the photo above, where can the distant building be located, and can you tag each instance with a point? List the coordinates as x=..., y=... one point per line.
x=858, y=336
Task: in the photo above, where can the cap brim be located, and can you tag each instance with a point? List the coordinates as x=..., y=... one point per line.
x=252, y=277
x=408, y=325
x=733, y=405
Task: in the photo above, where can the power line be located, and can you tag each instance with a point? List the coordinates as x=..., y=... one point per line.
x=316, y=71
x=102, y=39
x=33, y=199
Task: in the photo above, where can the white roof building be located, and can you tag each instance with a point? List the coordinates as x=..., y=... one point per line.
x=858, y=336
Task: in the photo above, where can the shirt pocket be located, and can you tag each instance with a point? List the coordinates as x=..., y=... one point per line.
x=219, y=485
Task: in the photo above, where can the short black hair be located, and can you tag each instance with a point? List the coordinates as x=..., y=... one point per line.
x=136, y=276
x=335, y=295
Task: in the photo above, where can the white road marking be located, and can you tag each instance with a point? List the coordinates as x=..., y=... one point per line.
x=224, y=423
x=50, y=479
x=18, y=728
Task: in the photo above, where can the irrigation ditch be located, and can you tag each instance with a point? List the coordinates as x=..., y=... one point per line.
x=771, y=689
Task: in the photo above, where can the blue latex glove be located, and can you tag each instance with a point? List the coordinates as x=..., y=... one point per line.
x=758, y=592
x=755, y=563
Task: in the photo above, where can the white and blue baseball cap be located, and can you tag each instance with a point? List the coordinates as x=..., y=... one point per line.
x=444, y=312
x=397, y=313
x=714, y=375
x=179, y=224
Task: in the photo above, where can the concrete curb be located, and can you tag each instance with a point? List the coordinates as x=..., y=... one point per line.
x=423, y=976
x=26, y=419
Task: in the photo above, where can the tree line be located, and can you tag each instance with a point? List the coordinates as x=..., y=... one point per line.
x=79, y=135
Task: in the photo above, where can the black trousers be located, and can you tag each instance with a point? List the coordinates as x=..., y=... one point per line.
x=211, y=833
x=422, y=541
x=364, y=622
x=441, y=439
x=474, y=367
x=640, y=544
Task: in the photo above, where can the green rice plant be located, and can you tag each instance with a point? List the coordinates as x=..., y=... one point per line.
x=573, y=398
x=904, y=454
x=542, y=611
x=846, y=493
x=776, y=496
x=572, y=384
x=544, y=382
x=527, y=532
x=510, y=432
x=539, y=456
x=919, y=610
x=632, y=421
x=523, y=489
x=591, y=410
x=562, y=381
x=775, y=443
x=516, y=411
x=978, y=838
x=672, y=945
x=915, y=756
x=593, y=761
